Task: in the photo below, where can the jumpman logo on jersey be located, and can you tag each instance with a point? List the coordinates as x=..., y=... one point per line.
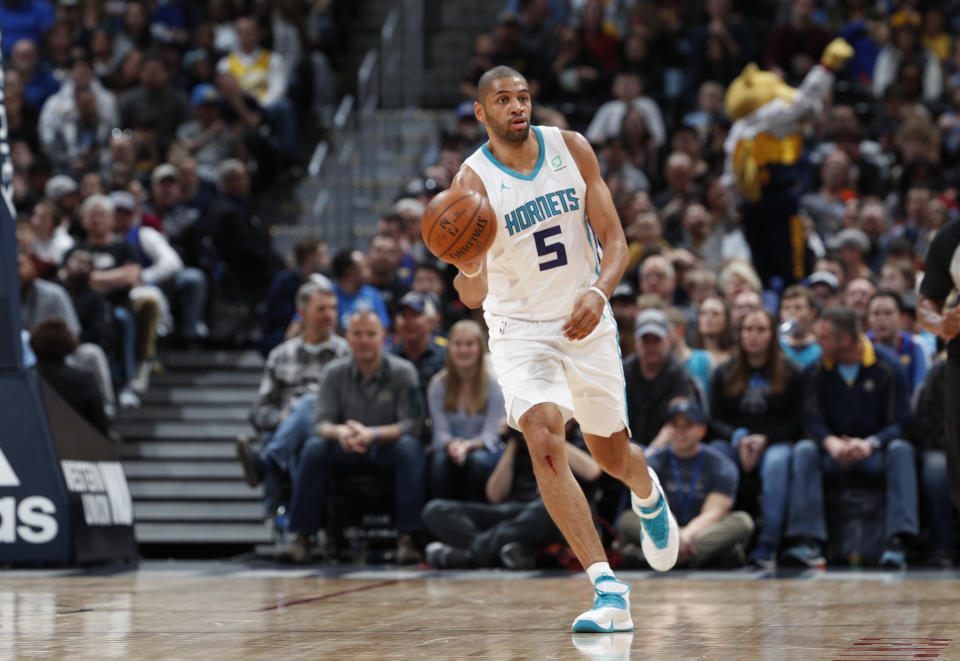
x=503, y=186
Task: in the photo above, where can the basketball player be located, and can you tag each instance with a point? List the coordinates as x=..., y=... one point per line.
x=553, y=339
x=941, y=276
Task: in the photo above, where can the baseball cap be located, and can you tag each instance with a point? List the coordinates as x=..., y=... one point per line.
x=419, y=302
x=689, y=409
x=164, y=171
x=824, y=278
x=123, y=200
x=59, y=186
x=653, y=322
x=204, y=94
x=624, y=290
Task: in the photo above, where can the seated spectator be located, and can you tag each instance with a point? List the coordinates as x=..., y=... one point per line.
x=712, y=244
x=736, y=277
x=701, y=484
x=428, y=278
x=615, y=162
x=21, y=116
x=857, y=294
x=658, y=276
x=627, y=94
x=744, y=303
x=825, y=288
x=207, y=137
x=52, y=342
x=756, y=404
x=928, y=435
x=653, y=377
x=286, y=401
x=795, y=47
x=798, y=312
x=697, y=361
x=906, y=47
x=38, y=82
x=309, y=256
x=157, y=96
x=885, y=313
x=623, y=304
x=369, y=417
x=855, y=410
x=383, y=260
x=163, y=271
x=28, y=19
x=349, y=276
x=466, y=406
x=416, y=320
x=714, y=330
x=51, y=240
x=827, y=206
x=81, y=138
x=898, y=276
x=681, y=191
x=852, y=245
x=509, y=528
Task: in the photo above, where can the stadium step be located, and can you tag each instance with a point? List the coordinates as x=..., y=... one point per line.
x=199, y=395
x=183, y=450
x=194, y=533
x=197, y=510
x=153, y=469
x=229, y=414
x=188, y=489
x=218, y=378
x=182, y=429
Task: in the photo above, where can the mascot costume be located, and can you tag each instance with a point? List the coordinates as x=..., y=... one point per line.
x=763, y=158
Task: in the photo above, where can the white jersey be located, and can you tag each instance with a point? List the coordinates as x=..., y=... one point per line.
x=545, y=253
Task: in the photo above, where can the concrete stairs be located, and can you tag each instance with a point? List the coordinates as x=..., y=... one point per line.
x=178, y=452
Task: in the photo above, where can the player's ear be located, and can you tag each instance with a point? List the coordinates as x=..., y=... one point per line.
x=478, y=111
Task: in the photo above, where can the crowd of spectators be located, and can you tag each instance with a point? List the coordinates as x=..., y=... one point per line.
x=752, y=398
x=139, y=132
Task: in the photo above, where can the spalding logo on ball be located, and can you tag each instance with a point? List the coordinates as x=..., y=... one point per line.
x=458, y=225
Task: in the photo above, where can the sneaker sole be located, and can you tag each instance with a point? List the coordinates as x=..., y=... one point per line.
x=589, y=626
x=660, y=559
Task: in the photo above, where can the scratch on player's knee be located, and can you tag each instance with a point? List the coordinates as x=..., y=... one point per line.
x=550, y=464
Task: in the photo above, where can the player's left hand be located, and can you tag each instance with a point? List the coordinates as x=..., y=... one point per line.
x=586, y=315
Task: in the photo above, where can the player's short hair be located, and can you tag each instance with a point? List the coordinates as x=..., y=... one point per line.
x=486, y=80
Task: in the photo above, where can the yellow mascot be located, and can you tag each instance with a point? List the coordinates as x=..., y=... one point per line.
x=763, y=154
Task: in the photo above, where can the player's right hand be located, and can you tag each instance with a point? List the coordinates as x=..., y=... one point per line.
x=472, y=267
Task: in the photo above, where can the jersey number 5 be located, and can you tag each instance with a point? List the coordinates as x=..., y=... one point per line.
x=555, y=249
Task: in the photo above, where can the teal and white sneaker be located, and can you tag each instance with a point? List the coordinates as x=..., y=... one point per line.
x=611, y=608
x=661, y=539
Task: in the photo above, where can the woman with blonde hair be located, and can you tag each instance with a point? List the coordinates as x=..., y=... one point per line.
x=466, y=406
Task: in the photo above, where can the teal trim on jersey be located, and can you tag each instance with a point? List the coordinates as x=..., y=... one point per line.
x=591, y=237
x=526, y=177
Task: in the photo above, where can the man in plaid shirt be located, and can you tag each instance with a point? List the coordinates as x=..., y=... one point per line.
x=283, y=411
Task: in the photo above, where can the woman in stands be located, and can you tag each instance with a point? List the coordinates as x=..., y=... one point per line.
x=756, y=408
x=466, y=406
x=714, y=332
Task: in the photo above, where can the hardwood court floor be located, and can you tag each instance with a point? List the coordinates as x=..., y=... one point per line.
x=233, y=611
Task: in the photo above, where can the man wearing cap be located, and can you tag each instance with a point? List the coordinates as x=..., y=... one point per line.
x=416, y=318
x=825, y=288
x=700, y=484
x=207, y=136
x=182, y=225
x=653, y=378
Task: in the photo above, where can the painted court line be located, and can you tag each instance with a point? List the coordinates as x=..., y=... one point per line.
x=330, y=595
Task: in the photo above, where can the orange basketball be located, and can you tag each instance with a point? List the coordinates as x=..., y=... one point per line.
x=458, y=225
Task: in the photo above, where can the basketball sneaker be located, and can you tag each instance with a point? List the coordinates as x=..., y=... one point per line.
x=611, y=608
x=661, y=538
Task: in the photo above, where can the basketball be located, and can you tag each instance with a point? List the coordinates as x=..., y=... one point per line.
x=458, y=225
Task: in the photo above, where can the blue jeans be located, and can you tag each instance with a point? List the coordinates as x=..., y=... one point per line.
x=281, y=447
x=936, y=497
x=446, y=477
x=896, y=463
x=775, y=485
x=127, y=335
x=404, y=457
x=190, y=285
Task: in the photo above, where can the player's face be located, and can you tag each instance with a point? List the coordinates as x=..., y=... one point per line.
x=506, y=110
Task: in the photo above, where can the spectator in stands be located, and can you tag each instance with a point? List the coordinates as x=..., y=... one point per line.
x=855, y=410
x=43, y=299
x=905, y=48
x=284, y=410
x=348, y=270
x=383, y=259
x=828, y=205
x=700, y=484
x=615, y=162
x=309, y=256
x=798, y=311
x=241, y=239
x=509, y=528
x=885, y=314
x=80, y=140
x=369, y=416
x=714, y=330
x=24, y=19
x=466, y=406
x=627, y=94
x=38, y=82
x=415, y=322
x=852, y=245
x=744, y=303
x=51, y=240
x=653, y=378
x=756, y=403
x=929, y=436
x=262, y=75
x=21, y=116
x=62, y=105
x=697, y=361
x=681, y=191
x=52, y=342
x=711, y=243
x=825, y=288
x=157, y=96
x=428, y=278
x=795, y=47
x=208, y=137
x=93, y=310
x=857, y=294
x=898, y=276
x=163, y=270
x=658, y=276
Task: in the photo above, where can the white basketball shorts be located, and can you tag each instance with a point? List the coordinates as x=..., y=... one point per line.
x=536, y=364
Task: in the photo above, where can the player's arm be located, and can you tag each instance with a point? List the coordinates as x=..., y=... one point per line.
x=930, y=318
x=471, y=281
x=606, y=225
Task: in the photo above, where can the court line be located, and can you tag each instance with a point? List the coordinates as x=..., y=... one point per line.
x=330, y=595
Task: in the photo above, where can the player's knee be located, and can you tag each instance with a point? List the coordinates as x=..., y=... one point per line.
x=542, y=442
